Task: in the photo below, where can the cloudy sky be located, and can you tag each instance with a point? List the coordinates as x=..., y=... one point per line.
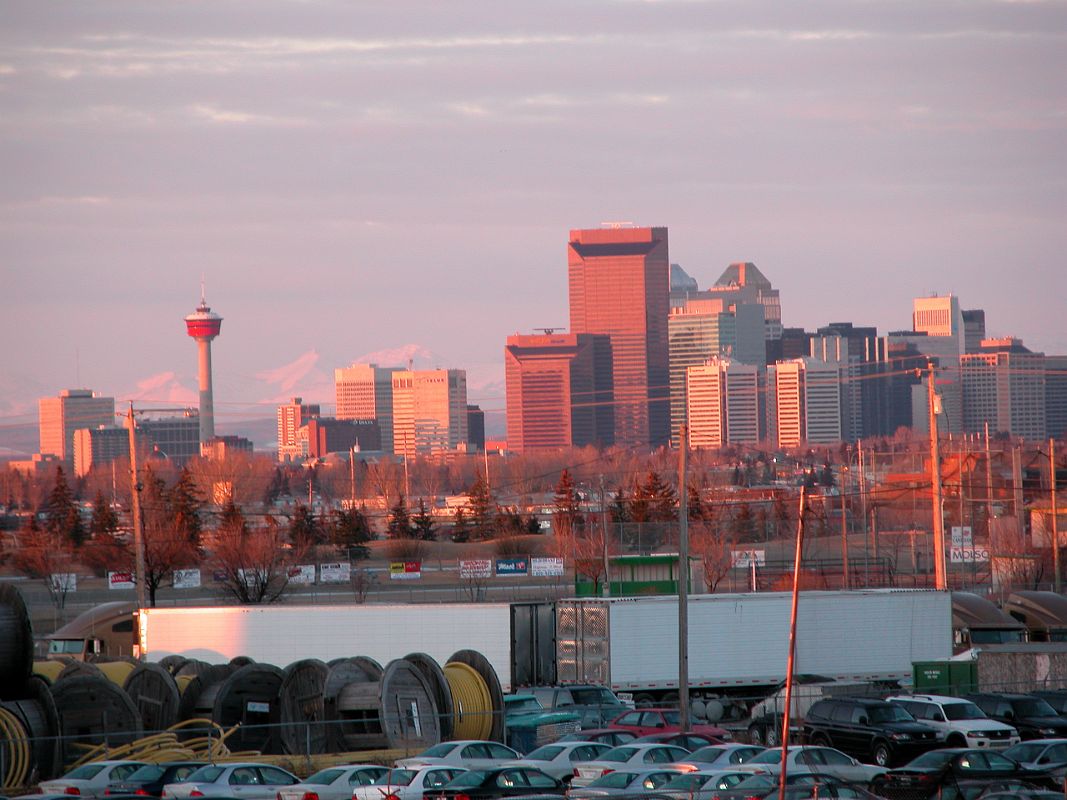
x=359, y=177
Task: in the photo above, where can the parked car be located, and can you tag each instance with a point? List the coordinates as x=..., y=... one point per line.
x=1050, y=754
x=799, y=786
x=960, y=722
x=1057, y=698
x=242, y=780
x=628, y=756
x=1031, y=716
x=335, y=783
x=868, y=729
x=408, y=784
x=820, y=760
x=150, y=779
x=702, y=784
x=92, y=779
x=929, y=774
x=625, y=782
x=645, y=721
x=497, y=782
x=595, y=705
x=609, y=736
x=558, y=759
x=529, y=725
x=469, y=753
x=721, y=756
x=690, y=741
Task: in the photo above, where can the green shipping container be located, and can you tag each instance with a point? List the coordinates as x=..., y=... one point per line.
x=945, y=677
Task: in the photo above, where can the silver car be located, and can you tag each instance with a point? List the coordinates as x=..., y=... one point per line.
x=241, y=781
x=558, y=759
x=721, y=756
x=813, y=759
x=702, y=784
x=469, y=753
x=627, y=756
x=334, y=783
x=408, y=784
x=90, y=780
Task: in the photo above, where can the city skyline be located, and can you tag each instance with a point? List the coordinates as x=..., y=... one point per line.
x=328, y=167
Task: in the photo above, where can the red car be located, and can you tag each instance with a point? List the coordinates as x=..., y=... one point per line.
x=646, y=721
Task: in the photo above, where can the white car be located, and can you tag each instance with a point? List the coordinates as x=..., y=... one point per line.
x=1039, y=753
x=469, y=753
x=703, y=784
x=959, y=722
x=721, y=756
x=408, y=784
x=90, y=780
x=628, y=756
x=820, y=760
x=241, y=781
x=334, y=783
x=558, y=759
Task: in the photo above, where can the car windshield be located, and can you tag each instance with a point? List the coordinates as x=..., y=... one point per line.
x=686, y=782
x=597, y=695
x=546, y=753
x=767, y=757
x=1024, y=752
x=440, y=750
x=523, y=704
x=933, y=759
x=85, y=772
x=890, y=712
x=672, y=717
x=756, y=782
x=1033, y=707
x=619, y=754
x=401, y=777
x=324, y=777
x=149, y=772
x=956, y=711
x=205, y=774
x=473, y=778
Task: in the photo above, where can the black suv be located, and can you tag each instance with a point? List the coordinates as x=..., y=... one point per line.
x=867, y=729
x=1031, y=716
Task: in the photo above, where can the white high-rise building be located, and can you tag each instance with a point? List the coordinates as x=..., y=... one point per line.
x=365, y=391
x=722, y=403
x=804, y=402
x=429, y=410
x=1004, y=387
x=73, y=409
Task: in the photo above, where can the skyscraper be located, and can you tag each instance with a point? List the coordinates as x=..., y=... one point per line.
x=803, y=402
x=60, y=416
x=429, y=411
x=291, y=417
x=619, y=280
x=1004, y=387
x=558, y=391
x=365, y=391
x=203, y=325
x=723, y=403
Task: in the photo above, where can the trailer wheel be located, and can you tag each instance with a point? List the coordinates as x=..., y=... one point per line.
x=774, y=738
x=757, y=735
x=644, y=701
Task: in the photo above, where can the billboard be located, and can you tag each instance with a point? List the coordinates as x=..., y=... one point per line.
x=475, y=568
x=512, y=567
x=186, y=579
x=120, y=580
x=546, y=567
x=405, y=570
x=336, y=572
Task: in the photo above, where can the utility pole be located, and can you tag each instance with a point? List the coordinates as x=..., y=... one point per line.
x=786, y=717
x=604, y=536
x=988, y=482
x=845, y=583
x=1055, y=526
x=352, y=477
x=135, y=510
x=940, y=578
x=683, y=580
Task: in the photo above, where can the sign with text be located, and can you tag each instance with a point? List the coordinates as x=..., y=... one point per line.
x=511, y=567
x=302, y=574
x=546, y=567
x=968, y=555
x=120, y=580
x=63, y=581
x=961, y=536
x=337, y=572
x=186, y=579
x=747, y=558
x=405, y=570
x=475, y=568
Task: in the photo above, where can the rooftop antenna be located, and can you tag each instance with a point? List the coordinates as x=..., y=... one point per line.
x=548, y=331
x=616, y=224
x=203, y=293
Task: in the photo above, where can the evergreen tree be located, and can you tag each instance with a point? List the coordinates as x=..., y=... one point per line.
x=639, y=506
x=399, y=526
x=349, y=528
x=423, y=523
x=232, y=519
x=620, y=508
x=744, y=523
x=481, y=504
x=533, y=525
x=304, y=529
x=567, y=509
x=185, y=507
x=105, y=521
x=662, y=499
x=826, y=477
x=64, y=520
x=697, y=508
x=460, y=531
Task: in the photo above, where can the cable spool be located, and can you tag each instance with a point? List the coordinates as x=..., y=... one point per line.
x=300, y=708
x=198, y=699
x=481, y=665
x=194, y=667
x=29, y=736
x=442, y=695
x=241, y=661
x=48, y=670
x=93, y=710
x=182, y=682
x=250, y=697
x=472, y=702
x=395, y=712
x=172, y=663
x=75, y=668
x=344, y=672
x=155, y=693
x=117, y=671
x=16, y=639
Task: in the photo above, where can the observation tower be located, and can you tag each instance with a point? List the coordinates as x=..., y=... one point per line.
x=204, y=325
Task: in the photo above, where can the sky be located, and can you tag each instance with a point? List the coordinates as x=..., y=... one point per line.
x=355, y=179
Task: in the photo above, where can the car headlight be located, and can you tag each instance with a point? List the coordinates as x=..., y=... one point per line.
x=1047, y=731
x=1013, y=732
x=900, y=737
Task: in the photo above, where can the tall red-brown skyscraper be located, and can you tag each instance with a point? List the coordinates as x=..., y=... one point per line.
x=620, y=286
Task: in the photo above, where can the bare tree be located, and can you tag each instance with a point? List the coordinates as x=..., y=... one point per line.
x=715, y=551
x=48, y=556
x=253, y=563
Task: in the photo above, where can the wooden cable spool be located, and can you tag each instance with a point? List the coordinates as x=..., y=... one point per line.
x=38, y=725
x=155, y=693
x=93, y=710
x=198, y=699
x=249, y=697
x=173, y=663
x=343, y=672
x=301, y=711
x=75, y=668
x=442, y=695
x=48, y=670
x=481, y=665
x=16, y=639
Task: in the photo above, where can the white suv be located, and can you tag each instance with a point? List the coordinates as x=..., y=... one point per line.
x=959, y=722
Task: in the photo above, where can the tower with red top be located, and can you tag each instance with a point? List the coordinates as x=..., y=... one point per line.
x=204, y=325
